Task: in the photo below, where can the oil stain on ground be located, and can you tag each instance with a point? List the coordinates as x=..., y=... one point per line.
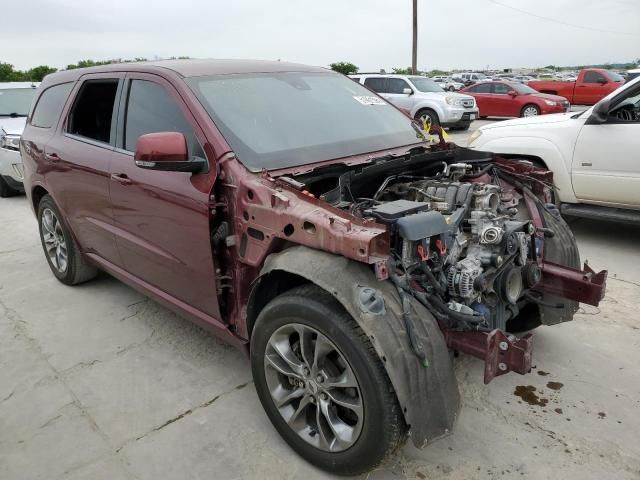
x=529, y=395
x=555, y=385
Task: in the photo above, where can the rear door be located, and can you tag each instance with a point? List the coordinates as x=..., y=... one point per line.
x=162, y=218
x=503, y=104
x=77, y=161
x=482, y=93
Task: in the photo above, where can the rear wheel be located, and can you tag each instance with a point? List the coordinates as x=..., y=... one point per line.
x=321, y=383
x=530, y=110
x=451, y=88
x=60, y=249
x=6, y=190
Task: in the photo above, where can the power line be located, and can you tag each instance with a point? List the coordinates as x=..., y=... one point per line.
x=561, y=22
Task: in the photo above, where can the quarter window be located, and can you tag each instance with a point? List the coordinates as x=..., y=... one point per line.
x=50, y=105
x=151, y=109
x=92, y=114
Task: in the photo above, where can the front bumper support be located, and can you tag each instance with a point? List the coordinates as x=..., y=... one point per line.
x=501, y=353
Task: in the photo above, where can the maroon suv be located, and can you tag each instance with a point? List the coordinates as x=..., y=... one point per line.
x=302, y=218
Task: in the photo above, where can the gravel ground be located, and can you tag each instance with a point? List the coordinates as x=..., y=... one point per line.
x=98, y=382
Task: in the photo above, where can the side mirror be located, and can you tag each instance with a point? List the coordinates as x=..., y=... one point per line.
x=602, y=81
x=166, y=151
x=407, y=91
x=600, y=113
x=513, y=93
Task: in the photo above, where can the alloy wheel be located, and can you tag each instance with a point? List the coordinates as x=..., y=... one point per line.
x=54, y=240
x=313, y=387
x=530, y=112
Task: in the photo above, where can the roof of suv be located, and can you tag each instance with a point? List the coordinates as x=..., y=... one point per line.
x=190, y=68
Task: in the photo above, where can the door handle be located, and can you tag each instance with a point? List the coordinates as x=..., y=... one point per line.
x=52, y=157
x=121, y=178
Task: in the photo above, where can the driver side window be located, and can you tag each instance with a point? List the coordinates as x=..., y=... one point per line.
x=593, y=77
x=151, y=109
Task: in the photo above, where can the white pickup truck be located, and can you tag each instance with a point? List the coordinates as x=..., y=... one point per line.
x=594, y=155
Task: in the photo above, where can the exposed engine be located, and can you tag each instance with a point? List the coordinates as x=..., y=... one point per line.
x=460, y=243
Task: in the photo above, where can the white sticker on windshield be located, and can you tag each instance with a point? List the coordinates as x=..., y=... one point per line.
x=370, y=100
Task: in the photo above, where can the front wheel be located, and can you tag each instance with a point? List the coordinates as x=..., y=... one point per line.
x=428, y=114
x=321, y=383
x=6, y=190
x=530, y=111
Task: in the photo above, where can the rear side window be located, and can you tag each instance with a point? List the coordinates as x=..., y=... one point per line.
x=50, y=105
x=151, y=109
x=376, y=84
x=481, y=88
x=92, y=113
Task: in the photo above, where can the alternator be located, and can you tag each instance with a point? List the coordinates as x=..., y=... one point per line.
x=461, y=278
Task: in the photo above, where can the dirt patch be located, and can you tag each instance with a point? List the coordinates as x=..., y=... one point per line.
x=542, y=373
x=601, y=415
x=558, y=410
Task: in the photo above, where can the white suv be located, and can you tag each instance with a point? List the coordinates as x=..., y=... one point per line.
x=423, y=98
x=15, y=101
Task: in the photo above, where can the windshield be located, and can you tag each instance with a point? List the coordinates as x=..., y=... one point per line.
x=280, y=120
x=425, y=84
x=522, y=88
x=614, y=76
x=16, y=101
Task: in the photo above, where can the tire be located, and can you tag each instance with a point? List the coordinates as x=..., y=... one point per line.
x=451, y=88
x=530, y=110
x=427, y=112
x=70, y=268
x=311, y=313
x=5, y=190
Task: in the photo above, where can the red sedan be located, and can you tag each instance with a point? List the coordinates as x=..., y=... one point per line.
x=511, y=99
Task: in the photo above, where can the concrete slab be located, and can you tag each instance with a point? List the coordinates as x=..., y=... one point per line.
x=98, y=382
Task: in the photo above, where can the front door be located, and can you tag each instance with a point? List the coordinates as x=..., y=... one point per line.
x=162, y=218
x=606, y=167
x=504, y=104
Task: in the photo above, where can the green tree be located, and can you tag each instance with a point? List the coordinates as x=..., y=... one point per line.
x=6, y=72
x=36, y=74
x=345, y=68
x=404, y=71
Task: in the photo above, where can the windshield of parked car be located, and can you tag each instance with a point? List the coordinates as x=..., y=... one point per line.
x=280, y=120
x=16, y=101
x=614, y=76
x=425, y=84
x=522, y=89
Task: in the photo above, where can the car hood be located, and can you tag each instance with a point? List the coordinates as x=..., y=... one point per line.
x=538, y=120
x=548, y=96
x=12, y=126
x=440, y=95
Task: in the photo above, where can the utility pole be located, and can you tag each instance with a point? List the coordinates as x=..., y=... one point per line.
x=414, y=52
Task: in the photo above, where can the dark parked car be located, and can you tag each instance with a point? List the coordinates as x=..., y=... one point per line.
x=512, y=99
x=301, y=217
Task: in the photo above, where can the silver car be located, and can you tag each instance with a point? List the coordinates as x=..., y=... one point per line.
x=15, y=101
x=423, y=98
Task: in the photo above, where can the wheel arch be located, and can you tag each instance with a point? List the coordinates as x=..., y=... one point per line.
x=415, y=386
x=37, y=193
x=538, y=149
x=428, y=105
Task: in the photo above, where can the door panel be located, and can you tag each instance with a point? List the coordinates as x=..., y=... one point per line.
x=606, y=168
x=162, y=218
x=78, y=171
